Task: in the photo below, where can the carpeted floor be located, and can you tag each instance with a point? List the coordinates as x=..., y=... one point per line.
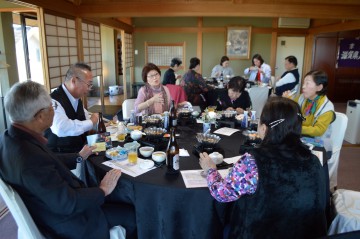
x=8, y=228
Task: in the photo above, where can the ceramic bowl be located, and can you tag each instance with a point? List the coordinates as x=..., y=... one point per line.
x=136, y=134
x=158, y=156
x=146, y=151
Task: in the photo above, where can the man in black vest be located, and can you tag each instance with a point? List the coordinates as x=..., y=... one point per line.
x=71, y=120
x=290, y=78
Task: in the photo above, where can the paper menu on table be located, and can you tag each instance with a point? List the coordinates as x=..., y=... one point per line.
x=226, y=131
x=195, y=178
x=132, y=170
x=102, y=141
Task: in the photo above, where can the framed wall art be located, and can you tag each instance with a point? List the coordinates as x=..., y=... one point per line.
x=238, y=41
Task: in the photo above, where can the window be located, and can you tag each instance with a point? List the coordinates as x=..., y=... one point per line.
x=161, y=54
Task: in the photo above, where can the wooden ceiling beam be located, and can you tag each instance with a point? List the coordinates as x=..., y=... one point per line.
x=58, y=6
x=216, y=9
x=114, y=23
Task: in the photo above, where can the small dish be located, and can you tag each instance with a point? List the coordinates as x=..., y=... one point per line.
x=146, y=151
x=117, y=153
x=112, y=129
x=146, y=164
x=158, y=156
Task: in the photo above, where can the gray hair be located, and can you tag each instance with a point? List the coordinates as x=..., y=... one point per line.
x=76, y=69
x=24, y=100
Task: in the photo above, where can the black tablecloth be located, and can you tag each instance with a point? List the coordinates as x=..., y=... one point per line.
x=165, y=208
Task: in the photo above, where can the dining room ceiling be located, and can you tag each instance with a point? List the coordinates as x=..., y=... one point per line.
x=125, y=10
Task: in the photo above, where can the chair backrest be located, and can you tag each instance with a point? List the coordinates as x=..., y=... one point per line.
x=338, y=128
x=26, y=225
x=127, y=106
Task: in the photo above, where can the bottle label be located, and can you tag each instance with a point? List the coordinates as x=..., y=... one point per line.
x=176, y=162
x=174, y=122
x=166, y=122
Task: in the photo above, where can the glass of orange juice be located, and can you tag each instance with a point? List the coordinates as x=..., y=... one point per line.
x=132, y=156
x=121, y=137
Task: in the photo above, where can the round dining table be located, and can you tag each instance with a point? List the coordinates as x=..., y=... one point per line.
x=164, y=207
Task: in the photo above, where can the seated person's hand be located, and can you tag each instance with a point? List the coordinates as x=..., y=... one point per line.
x=94, y=118
x=239, y=110
x=286, y=93
x=158, y=98
x=108, y=183
x=178, y=77
x=206, y=162
x=230, y=108
x=86, y=151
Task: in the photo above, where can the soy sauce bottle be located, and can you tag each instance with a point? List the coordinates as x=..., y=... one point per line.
x=101, y=125
x=172, y=154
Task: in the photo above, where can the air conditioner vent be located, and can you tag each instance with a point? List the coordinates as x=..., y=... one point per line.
x=293, y=22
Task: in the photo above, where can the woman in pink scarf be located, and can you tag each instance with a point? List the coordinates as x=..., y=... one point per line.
x=153, y=97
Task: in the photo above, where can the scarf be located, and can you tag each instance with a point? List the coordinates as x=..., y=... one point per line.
x=311, y=106
x=149, y=93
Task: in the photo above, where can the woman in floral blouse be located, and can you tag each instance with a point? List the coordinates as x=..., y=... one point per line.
x=194, y=84
x=278, y=188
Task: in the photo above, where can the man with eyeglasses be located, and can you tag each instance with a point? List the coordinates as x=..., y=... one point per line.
x=71, y=119
x=60, y=203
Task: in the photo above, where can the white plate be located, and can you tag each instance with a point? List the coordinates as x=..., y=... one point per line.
x=146, y=164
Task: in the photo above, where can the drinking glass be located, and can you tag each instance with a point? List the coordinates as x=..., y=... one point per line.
x=132, y=156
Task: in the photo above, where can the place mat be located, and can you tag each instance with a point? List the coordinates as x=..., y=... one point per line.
x=131, y=170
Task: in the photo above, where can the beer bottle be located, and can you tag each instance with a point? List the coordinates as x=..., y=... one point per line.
x=101, y=125
x=172, y=154
x=173, y=119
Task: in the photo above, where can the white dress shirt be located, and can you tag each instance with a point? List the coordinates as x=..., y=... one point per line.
x=63, y=126
x=216, y=71
x=265, y=77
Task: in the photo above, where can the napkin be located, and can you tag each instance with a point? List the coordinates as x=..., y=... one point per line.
x=183, y=153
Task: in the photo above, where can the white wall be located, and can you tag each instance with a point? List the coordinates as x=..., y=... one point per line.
x=293, y=46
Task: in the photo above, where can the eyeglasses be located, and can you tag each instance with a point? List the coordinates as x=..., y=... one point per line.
x=54, y=105
x=153, y=76
x=89, y=85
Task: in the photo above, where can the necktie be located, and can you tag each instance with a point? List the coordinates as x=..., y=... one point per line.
x=258, y=76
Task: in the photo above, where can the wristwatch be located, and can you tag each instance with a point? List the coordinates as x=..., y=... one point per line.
x=79, y=159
